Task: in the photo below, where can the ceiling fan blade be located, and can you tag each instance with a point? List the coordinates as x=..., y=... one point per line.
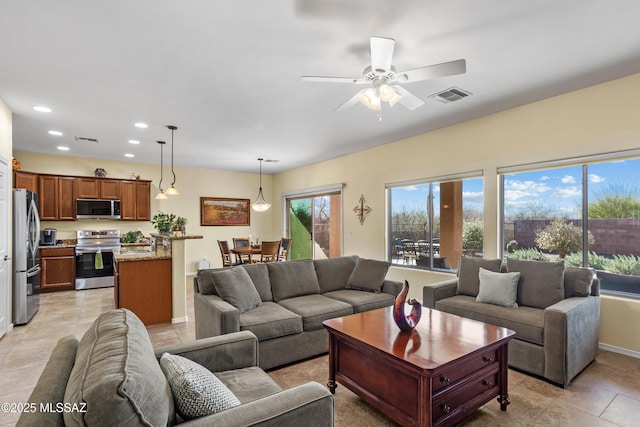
x=433, y=71
x=408, y=100
x=323, y=79
x=381, y=53
x=350, y=102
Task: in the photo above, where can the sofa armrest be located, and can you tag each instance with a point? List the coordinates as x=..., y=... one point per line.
x=571, y=329
x=436, y=291
x=222, y=353
x=308, y=404
x=214, y=316
x=392, y=287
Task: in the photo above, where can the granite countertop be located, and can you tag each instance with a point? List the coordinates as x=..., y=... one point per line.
x=142, y=255
x=58, y=246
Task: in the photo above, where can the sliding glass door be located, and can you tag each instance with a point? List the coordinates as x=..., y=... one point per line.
x=313, y=223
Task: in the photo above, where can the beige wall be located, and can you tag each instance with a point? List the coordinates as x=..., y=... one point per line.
x=193, y=183
x=599, y=119
x=5, y=151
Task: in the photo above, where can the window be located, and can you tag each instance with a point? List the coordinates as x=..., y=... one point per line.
x=587, y=214
x=433, y=223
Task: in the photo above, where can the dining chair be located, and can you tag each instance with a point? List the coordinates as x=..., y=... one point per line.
x=225, y=252
x=242, y=242
x=270, y=251
x=284, y=248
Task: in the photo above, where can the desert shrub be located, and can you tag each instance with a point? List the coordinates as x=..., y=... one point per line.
x=595, y=261
x=472, y=231
x=531, y=254
x=562, y=237
x=616, y=201
x=625, y=264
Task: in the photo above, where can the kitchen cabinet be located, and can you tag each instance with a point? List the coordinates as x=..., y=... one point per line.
x=26, y=180
x=97, y=188
x=135, y=201
x=144, y=287
x=58, y=269
x=57, y=198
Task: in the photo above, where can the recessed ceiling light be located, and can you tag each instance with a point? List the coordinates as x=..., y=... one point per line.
x=134, y=141
x=42, y=109
x=129, y=155
x=141, y=125
x=63, y=148
x=55, y=133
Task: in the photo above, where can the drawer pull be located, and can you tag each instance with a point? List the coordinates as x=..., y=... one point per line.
x=445, y=380
x=487, y=359
x=445, y=408
x=487, y=383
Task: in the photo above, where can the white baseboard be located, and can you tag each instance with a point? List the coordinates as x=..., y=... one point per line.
x=619, y=350
x=179, y=319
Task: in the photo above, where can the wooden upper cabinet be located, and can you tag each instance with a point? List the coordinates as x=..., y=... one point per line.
x=48, y=186
x=57, y=198
x=135, y=200
x=97, y=188
x=26, y=180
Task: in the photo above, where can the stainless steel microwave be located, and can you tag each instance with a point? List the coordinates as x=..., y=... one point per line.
x=97, y=209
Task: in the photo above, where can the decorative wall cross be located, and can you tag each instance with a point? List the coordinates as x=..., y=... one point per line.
x=361, y=209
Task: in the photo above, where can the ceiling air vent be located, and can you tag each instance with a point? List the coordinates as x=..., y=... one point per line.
x=85, y=139
x=450, y=95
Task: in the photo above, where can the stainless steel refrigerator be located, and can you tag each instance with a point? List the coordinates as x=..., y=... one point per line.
x=26, y=262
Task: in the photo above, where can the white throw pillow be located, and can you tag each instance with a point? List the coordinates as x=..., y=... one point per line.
x=196, y=391
x=498, y=288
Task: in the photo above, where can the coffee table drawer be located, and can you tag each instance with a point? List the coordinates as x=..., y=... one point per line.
x=458, y=371
x=455, y=403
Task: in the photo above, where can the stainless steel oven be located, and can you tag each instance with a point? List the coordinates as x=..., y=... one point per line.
x=94, y=258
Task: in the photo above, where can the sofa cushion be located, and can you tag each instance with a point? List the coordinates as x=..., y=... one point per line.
x=196, y=391
x=368, y=275
x=270, y=320
x=526, y=322
x=234, y=285
x=293, y=278
x=578, y=281
x=362, y=301
x=334, y=273
x=315, y=309
x=498, y=288
x=259, y=274
x=205, y=281
x=468, y=268
x=117, y=375
x=248, y=384
x=541, y=283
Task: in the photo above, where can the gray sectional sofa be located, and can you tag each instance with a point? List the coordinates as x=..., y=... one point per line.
x=285, y=303
x=554, y=311
x=113, y=377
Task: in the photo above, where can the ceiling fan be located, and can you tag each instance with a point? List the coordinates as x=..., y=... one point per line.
x=384, y=82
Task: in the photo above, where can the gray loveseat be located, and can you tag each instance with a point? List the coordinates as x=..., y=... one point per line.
x=556, y=319
x=112, y=377
x=285, y=303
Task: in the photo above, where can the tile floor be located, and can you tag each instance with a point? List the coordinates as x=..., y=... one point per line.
x=607, y=393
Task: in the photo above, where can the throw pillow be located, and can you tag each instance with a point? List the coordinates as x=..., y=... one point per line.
x=234, y=285
x=578, y=281
x=498, y=288
x=368, y=275
x=293, y=279
x=541, y=283
x=468, y=281
x=196, y=391
x=333, y=273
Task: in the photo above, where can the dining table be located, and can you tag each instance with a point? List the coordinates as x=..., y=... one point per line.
x=247, y=250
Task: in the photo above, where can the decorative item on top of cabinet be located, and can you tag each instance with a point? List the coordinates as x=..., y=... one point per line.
x=100, y=173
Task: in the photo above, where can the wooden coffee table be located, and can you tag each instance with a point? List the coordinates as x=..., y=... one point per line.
x=437, y=374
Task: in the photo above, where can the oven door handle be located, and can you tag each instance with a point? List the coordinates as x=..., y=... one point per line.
x=93, y=251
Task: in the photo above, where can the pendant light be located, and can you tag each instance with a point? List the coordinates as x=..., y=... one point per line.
x=161, y=195
x=173, y=191
x=260, y=205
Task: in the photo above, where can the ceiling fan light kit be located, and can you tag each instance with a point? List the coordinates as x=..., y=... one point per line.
x=384, y=82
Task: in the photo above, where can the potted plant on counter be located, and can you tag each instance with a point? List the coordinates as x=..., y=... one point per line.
x=180, y=225
x=163, y=222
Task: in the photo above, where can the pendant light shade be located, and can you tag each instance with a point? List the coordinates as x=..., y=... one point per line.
x=260, y=205
x=173, y=191
x=161, y=195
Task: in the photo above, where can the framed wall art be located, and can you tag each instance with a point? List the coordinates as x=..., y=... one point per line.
x=224, y=211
